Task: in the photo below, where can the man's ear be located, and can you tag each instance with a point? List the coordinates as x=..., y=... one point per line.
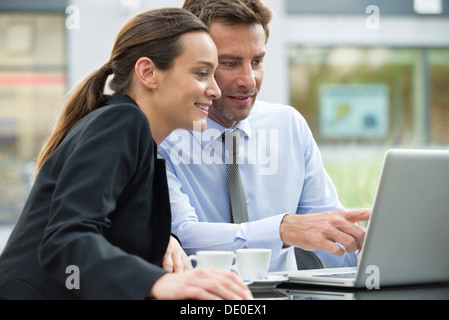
x=146, y=72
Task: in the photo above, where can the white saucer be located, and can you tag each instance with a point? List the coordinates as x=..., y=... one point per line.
x=270, y=281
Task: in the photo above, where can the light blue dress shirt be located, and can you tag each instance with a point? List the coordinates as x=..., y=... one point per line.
x=282, y=173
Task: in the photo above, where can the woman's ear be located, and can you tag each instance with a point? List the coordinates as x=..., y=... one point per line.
x=146, y=72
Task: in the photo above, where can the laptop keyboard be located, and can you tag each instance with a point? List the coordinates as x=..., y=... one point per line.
x=349, y=275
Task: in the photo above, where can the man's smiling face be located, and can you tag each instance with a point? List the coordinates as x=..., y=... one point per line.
x=241, y=52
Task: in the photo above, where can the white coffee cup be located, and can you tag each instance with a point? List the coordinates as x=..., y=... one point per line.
x=222, y=260
x=253, y=264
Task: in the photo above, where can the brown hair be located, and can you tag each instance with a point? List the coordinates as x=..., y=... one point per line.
x=154, y=34
x=234, y=11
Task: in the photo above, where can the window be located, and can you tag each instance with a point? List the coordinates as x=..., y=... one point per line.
x=360, y=101
x=32, y=89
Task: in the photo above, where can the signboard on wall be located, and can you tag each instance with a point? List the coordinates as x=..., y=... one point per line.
x=354, y=111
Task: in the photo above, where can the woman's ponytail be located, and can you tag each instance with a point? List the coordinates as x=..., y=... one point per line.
x=96, y=97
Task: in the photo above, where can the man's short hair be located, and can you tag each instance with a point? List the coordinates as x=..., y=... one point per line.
x=233, y=11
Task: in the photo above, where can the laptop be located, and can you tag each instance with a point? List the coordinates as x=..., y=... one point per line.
x=407, y=239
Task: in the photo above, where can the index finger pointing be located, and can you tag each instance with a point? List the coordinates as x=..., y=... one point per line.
x=357, y=215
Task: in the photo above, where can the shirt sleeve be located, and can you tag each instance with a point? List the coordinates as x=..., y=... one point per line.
x=95, y=171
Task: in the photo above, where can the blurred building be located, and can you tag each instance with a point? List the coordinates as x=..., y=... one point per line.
x=360, y=71
x=365, y=71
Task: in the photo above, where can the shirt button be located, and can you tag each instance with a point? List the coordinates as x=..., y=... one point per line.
x=248, y=201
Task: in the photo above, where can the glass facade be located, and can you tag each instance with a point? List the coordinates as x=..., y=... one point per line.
x=439, y=95
x=390, y=96
x=32, y=90
x=360, y=101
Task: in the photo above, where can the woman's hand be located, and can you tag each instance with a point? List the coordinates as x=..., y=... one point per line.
x=175, y=257
x=200, y=284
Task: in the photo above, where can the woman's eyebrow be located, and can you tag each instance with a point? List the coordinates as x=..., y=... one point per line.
x=206, y=63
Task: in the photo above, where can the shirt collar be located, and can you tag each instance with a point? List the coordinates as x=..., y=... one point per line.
x=215, y=130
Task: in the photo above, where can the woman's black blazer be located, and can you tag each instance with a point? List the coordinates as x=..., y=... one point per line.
x=98, y=214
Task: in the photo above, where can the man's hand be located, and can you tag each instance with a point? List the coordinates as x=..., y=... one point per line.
x=174, y=258
x=322, y=231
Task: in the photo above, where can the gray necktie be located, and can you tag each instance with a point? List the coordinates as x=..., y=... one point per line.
x=237, y=199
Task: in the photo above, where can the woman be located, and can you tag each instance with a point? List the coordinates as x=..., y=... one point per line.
x=97, y=223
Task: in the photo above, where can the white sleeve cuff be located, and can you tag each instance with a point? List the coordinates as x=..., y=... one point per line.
x=262, y=233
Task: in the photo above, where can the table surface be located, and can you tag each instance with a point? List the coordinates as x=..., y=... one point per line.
x=294, y=291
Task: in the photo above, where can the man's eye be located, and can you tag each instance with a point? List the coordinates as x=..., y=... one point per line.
x=227, y=64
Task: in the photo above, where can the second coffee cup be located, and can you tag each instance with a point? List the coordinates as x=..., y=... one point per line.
x=253, y=264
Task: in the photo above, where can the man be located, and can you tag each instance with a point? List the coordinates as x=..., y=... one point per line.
x=279, y=162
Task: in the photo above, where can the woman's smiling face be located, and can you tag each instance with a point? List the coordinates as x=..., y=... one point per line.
x=187, y=89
